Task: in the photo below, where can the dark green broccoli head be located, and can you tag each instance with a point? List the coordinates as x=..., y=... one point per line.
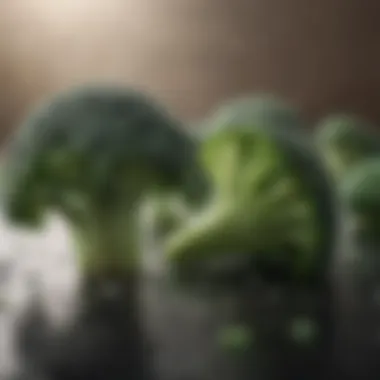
x=91, y=154
x=98, y=143
x=345, y=140
x=269, y=194
x=360, y=192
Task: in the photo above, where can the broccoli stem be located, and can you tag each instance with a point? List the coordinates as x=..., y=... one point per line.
x=166, y=212
x=221, y=226
x=201, y=234
x=108, y=243
x=230, y=226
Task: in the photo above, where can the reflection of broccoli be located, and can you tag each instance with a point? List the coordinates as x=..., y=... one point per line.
x=344, y=140
x=360, y=192
x=91, y=155
x=268, y=194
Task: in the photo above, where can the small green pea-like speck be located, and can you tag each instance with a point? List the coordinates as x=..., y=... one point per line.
x=235, y=338
x=303, y=330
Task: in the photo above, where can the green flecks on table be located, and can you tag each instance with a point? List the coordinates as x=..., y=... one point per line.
x=303, y=330
x=235, y=338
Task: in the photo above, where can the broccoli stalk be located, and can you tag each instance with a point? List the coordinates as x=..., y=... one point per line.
x=164, y=213
x=108, y=241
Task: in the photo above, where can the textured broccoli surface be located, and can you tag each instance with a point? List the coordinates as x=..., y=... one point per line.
x=344, y=140
x=268, y=112
x=359, y=190
x=269, y=193
x=92, y=154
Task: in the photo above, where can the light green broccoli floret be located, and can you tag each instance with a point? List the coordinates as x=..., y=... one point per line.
x=270, y=200
x=257, y=204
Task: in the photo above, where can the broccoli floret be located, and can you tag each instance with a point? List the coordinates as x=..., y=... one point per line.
x=92, y=155
x=268, y=193
x=344, y=140
x=359, y=190
x=268, y=112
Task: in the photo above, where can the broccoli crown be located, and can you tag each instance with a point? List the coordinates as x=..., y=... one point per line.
x=346, y=139
x=98, y=142
x=93, y=155
x=269, y=193
x=268, y=112
x=360, y=189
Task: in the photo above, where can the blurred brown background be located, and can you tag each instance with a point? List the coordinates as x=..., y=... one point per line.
x=321, y=54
